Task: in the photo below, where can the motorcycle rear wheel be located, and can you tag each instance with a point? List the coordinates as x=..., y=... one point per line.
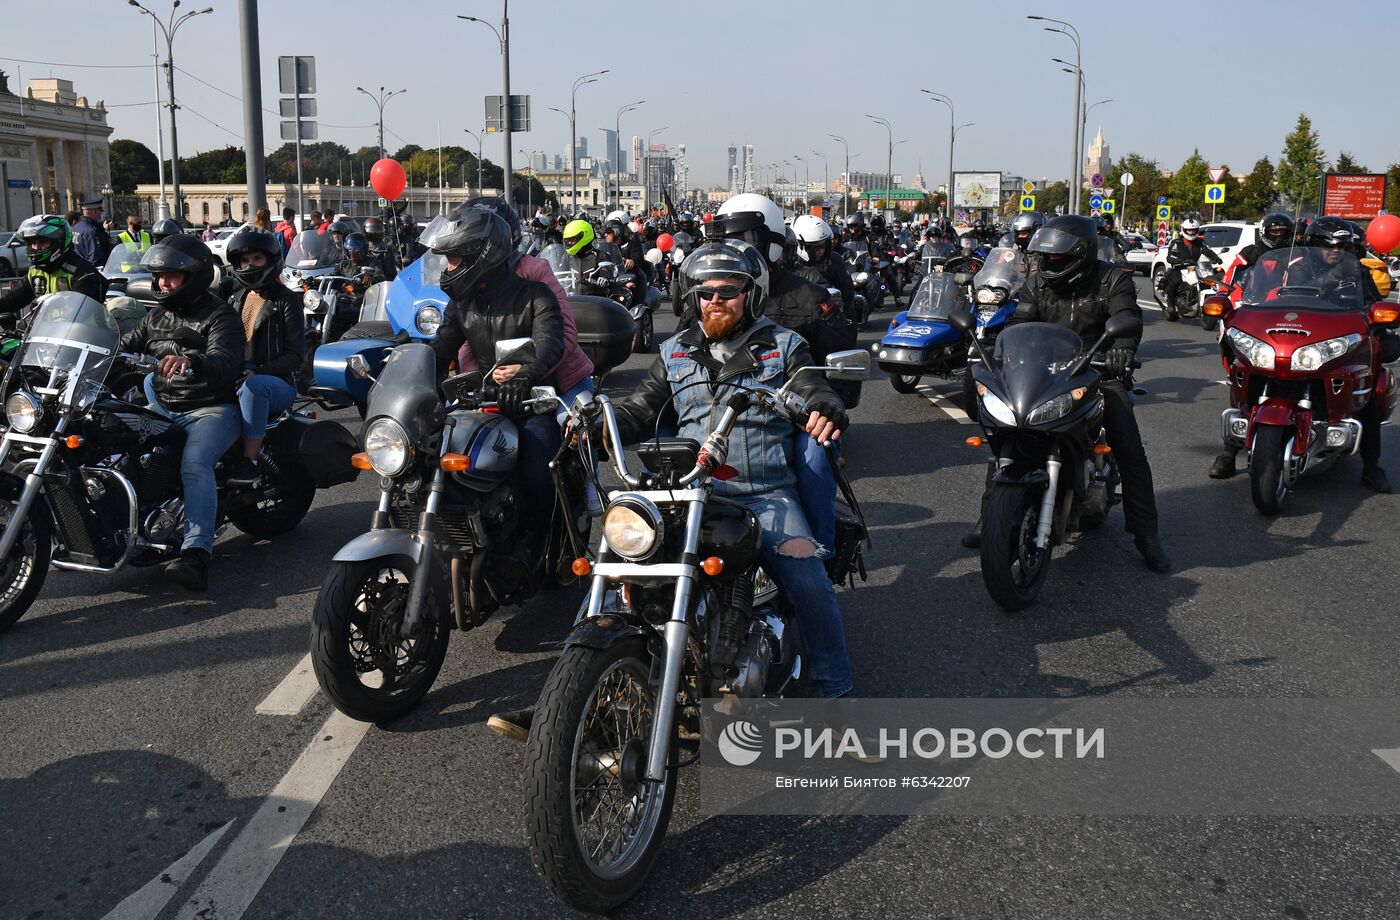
x=905, y=383
x=1013, y=567
x=354, y=636
x=1266, y=485
x=22, y=574
x=272, y=516
x=582, y=767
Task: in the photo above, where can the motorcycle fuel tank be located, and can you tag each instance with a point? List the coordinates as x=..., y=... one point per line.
x=491, y=444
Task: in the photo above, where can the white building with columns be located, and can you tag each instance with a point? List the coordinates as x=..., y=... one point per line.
x=53, y=149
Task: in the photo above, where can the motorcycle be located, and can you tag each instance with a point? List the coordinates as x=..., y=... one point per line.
x=678, y=610
x=1188, y=293
x=440, y=551
x=91, y=481
x=1041, y=408
x=620, y=288
x=865, y=275
x=1303, y=357
x=311, y=255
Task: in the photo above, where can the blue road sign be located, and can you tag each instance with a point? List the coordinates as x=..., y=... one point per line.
x=1162, y=199
x=1096, y=201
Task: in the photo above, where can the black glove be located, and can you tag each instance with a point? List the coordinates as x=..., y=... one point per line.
x=513, y=394
x=1116, y=361
x=831, y=412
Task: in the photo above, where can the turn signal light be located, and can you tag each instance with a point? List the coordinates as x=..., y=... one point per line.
x=974, y=441
x=360, y=461
x=455, y=463
x=1214, y=306
x=1383, y=316
x=580, y=567
x=1102, y=449
x=73, y=442
x=712, y=565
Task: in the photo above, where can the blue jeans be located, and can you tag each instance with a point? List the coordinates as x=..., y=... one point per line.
x=816, y=486
x=539, y=441
x=803, y=581
x=209, y=433
x=260, y=398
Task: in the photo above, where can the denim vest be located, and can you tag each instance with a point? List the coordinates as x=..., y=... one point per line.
x=762, y=445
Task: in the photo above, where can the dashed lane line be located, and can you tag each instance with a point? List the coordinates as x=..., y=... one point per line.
x=949, y=408
x=293, y=693
x=152, y=897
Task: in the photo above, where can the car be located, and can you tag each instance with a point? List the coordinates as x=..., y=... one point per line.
x=220, y=242
x=1140, y=252
x=12, y=261
x=1225, y=238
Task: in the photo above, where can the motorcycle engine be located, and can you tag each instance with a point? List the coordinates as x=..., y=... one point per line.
x=163, y=525
x=762, y=646
x=500, y=514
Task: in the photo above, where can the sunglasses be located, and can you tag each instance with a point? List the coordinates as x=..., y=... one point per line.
x=728, y=292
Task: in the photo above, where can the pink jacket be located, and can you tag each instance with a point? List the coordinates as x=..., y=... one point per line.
x=575, y=364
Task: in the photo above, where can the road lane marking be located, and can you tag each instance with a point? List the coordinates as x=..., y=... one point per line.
x=1149, y=305
x=1390, y=755
x=245, y=867
x=152, y=897
x=944, y=403
x=293, y=693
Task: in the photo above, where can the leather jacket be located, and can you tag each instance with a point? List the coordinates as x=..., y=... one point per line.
x=1085, y=307
x=279, y=338
x=504, y=307
x=210, y=334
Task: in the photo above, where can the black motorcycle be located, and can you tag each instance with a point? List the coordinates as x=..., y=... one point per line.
x=678, y=610
x=1041, y=407
x=91, y=476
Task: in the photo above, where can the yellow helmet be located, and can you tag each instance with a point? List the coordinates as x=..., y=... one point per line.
x=577, y=235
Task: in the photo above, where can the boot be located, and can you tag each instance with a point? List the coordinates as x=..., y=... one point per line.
x=1152, y=553
x=191, y=570
x=1374, y=478
x=1224, y=465
x=513, y=723
x=247, y=472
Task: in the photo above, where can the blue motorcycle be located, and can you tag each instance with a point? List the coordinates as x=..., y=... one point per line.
x=920, y=342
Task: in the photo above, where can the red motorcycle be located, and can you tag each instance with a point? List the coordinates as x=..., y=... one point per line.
x=1302, y=355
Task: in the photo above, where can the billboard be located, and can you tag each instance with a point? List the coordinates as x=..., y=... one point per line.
x=976, y=189
x=1353, y=197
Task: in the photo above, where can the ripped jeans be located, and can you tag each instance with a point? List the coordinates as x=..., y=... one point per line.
x=793, y=559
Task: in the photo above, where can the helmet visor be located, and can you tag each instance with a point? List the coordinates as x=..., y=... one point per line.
x=1052, y=241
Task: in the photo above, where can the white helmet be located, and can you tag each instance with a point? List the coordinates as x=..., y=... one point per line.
x=811, y=230
x=619, y=216
x=754, y=219
x=1190, y=227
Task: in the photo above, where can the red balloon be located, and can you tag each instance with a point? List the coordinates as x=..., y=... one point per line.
x=388, y=178
x=1383, y=234
x=665, y=242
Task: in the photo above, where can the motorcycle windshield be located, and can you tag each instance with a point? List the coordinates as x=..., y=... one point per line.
x=373, y=309
x=124, y=260
x=406, y=389
x=1004, y=270
x=937, y=297
x=74, y=339
x=311, y=250
x=1033, y=361
x=564, y=266
x=1309, y=277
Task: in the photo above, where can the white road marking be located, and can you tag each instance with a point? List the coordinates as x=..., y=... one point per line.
x=293, y=693
x=1390, y=755
x=151, y=899
x=947, y=405
x=245, y=867
x=1149, y=305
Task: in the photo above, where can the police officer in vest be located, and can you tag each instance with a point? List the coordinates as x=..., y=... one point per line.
x=53, y=265
x=134, y=234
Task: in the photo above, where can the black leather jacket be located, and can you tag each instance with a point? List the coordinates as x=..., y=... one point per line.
x=1086, y=307
x=279, y=338
x=831, y=272
x=806, y=309
x=506, y=307
x=210, y=334
x=1182, y=252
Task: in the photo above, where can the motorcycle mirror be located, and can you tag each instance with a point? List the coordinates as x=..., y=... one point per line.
x=1123, y=326
x=853, y=364
x=515, y=351
x=458, y=384
x=962, y=320
x=544, y=398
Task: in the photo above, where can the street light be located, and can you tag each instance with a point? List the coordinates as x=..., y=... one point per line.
x=807, y=191
x=503, y=36
x=889, y=159
x=952, y=136
x=480, y=188
x=573, y=131
x=845, y=176
x=617, y=146
x=170, y=28
x=646, y=174
x=1073, y=34
x=381, y=100
x=826, y=180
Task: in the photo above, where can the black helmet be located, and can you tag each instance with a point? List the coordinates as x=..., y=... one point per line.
x=342, y=227
x=1358, y=239
x=498, y=204
x=979, y=225
x=1108, y=222
x=481, y=238
x=164, y=229
x=877, y=223
x=254, y=239
x=617, y=228
x=687, y=222
x=1276, y=230
x=374, y=229
x=1329, y=231
x=729, y=258
x=1067, y=247
x=356, y=247
x=181, y=252
x=1024, y=225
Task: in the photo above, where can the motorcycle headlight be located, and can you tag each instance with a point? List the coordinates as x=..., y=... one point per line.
x=632, y=527
x=1049, y=411
x=862, y=277
x=1311, y=357
x=23, y=411
x=428, y=320
x=1260, y=354
x=312, y=300
x=996, y=407
x=990, y=295
x=387, y=447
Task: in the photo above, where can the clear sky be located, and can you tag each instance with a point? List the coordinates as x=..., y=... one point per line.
x=1227, y=77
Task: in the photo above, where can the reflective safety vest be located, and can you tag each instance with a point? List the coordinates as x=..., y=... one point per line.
x=47, y=281
x=144, y=242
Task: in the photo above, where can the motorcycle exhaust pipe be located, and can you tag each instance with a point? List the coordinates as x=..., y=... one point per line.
x=1047, y=504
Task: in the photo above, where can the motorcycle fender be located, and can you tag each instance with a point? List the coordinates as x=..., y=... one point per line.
x=1274, y=412
x=605, y=631
x=377, y=544
x=1012, y=476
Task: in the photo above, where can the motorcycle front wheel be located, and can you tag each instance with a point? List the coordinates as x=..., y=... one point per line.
x=905, y=383
x=22, y=573
x=594, y=823
x=1013, y=567
x=368, y=670
x=1266, y=485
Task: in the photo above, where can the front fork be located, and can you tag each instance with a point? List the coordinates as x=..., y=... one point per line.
x=427, y=527
x=1046, y=524
x=33, y=482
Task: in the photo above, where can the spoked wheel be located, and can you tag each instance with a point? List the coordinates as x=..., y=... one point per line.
x=595, y=824
x=905, y=383
x=22, y=573
x=1013, y=567
x=279, y=507
x=368, y=670
x=1266, y=483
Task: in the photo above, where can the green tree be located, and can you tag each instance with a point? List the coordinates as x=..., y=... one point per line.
x=1345, y=164
x=1148, y=185
x=133, y=164
x=319, y=160
x=1188, y=185
x=1301, y=166
x=1257, y=194
x=225, y=165
x=406, y=151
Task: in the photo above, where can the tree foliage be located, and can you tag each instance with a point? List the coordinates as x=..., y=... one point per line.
x=1301, y=166
x=1188, y=185
x=1392, y=188
x=1257, y=195
x=133, y=164
x=1345, y=164
x=222, y=166
x=1141, y=197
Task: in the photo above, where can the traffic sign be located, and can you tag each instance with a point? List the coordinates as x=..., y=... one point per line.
x=1164, y=212
x=1126, y=178
x=1163, y=226
x=1095, y=212
x=1028, y=202
x=1215, y=194
x=1028, y=186
x=1107, y=192
x=1096, y=180
x=1096, y=201
x=1108, y=206
x=383, y=202
x=1216, y=173
x=1162, y=199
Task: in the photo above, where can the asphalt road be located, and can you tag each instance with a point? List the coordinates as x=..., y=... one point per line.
x=136, y=770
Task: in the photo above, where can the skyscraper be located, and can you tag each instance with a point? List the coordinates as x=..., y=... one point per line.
x=1096, y=158
x=636, y=157
x=609, y=151
x=733, y=173
x=748, y=182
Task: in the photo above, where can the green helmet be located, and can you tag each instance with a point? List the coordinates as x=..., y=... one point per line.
x=578, y=235
x=49, y=227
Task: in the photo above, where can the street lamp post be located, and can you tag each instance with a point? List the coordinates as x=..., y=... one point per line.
x=952, y=136
x=381, y=100
x=807, y=190
x=845, y=176
x=503, y=36
x=480, y=187
x=889, y=159
x=1079, y=143
x=617, y=146
x=1073, y=33
x=826, y=180
x=573, y=130
x=170, y=29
